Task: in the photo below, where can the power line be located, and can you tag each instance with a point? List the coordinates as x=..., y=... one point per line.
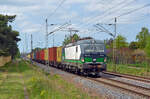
x=119, y=9
x=134, y=10
x=61, y=3
x=108, y=11
x=126, y=13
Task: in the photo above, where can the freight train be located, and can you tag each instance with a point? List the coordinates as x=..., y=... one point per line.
x=83, y=57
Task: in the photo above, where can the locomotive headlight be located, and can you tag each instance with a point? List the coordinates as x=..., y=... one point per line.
x=105, y=59
x=82, y=59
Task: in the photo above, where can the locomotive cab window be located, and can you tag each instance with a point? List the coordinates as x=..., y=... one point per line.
x=89, y=48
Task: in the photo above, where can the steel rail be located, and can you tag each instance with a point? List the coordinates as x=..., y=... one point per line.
x=146, y=95
x=125, y=83
x=139, y=78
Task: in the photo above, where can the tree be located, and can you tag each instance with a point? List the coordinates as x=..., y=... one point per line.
x=134, y=45
x=147, y=48
x=8, y=37
x=121, y=42
x=70, y=39
x=109, y=43
x=142, y=37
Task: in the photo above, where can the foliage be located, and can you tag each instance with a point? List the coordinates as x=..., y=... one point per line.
x=70, y=39
x=108, y=43
x=8, y=37
x=142, y=37
x=147, y=48
x=134, y=45
x=121, y=42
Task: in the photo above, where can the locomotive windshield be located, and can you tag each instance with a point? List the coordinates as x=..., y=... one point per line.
x=89, y=48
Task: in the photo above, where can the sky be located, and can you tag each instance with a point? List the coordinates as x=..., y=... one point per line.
x=82, y=15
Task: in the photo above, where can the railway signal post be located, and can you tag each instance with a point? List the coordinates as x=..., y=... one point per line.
x=31, y=49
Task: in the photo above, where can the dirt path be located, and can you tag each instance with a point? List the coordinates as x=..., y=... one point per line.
x=26, y=94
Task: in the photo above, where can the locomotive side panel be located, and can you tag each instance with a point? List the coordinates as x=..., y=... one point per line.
x=73, y=53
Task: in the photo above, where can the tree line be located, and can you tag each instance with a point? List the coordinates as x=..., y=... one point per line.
x=8, y=37
x=133, y=51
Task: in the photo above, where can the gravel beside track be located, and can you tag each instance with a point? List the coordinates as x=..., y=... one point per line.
x=102, y=89
x=126, y=86
x=131, y=81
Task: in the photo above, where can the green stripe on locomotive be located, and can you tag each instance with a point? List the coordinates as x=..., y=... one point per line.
x=87, y=59
x=74, y=61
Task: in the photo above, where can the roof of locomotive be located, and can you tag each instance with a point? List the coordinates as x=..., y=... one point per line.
x=89, y=41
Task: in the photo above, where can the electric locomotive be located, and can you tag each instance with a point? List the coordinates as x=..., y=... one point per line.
x=85, y=56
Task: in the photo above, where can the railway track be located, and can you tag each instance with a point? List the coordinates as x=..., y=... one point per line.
x=123, y=86
x=138, y=78
x=138, y=90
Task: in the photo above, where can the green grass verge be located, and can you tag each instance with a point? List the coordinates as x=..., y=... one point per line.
x=137, y=69
x=15, y=76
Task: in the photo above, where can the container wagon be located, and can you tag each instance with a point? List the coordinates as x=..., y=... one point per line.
x=52, y=56
x=46, y=56
x=59, y=57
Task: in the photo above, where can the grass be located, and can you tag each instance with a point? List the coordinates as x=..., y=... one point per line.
x=14, y=77
x=132, y=69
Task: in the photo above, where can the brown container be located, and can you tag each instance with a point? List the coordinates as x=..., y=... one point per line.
x=53, y=54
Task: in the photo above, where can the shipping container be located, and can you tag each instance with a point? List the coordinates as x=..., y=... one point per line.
x=37, y=55
x=42, y=55
x=46, y=54
x=29, y=56
x=59, y=54
x=52, y=54
x=34, y=57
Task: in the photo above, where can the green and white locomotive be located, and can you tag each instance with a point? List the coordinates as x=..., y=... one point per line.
x=85, y=57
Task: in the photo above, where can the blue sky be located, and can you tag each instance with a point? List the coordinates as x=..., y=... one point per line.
x=82, y=14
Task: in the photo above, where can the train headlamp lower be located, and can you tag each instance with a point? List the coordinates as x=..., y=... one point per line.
x=82, y=59
x=105, y=59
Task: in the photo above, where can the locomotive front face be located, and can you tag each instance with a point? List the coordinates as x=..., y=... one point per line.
x=93, y=57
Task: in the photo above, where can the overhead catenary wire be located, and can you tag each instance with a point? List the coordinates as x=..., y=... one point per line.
x=117, y=10
x=60, y=4
x=134, y=10
x=126, y=13
x=109, y=11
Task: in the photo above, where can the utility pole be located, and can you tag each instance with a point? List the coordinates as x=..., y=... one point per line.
x=47, y=41
x=31, y=48
x=70, y=34
x=26, y=43
x=53, y=40
x=114, y=45
x=46, y=34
